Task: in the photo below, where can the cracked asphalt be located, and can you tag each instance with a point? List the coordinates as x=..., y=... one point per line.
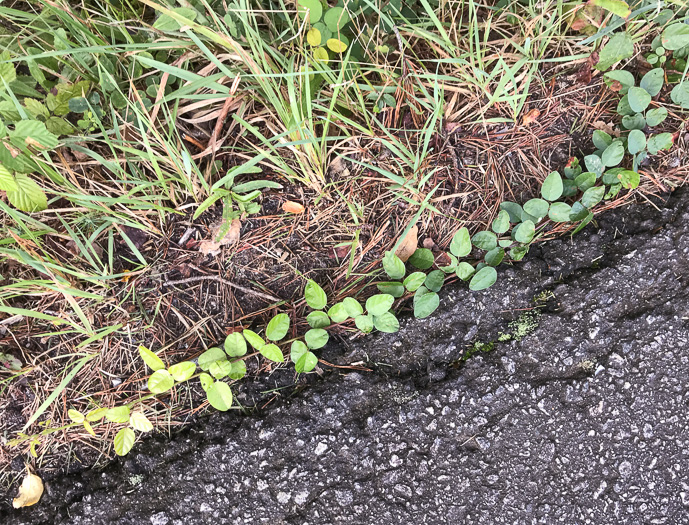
x=578, y=415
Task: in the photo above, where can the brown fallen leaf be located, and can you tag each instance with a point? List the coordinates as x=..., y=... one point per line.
x=30, y=491
x=409, y=244
x=531, y=117
x=604, y=126
x=222, y=234
x=428, y=243
x=292, y=207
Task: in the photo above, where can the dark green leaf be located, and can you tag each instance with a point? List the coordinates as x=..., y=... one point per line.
x=435, y=280
x=495, y=256
x=635, y=121
x=485, y=240
x=585, y=180
x=483, y=279
x=426, y=305
x=422, y=259
x=552, y=187
x=592, y=196
x=394, y=288
x=613, y=154
x=652, y=81
x=513, y=209
x=676, y=36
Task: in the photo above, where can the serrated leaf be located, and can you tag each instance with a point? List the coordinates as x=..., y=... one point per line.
x=7, y=182
x=124, y=441
x=28, y=196
x=33, y=133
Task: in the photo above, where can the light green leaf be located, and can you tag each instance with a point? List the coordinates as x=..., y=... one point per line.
x=676, y=36
x=636, y=141
x=594, y=164
x=592, y=196
x=559, y=212
x=206, y=381
x=311, y=7
x=379, y=304
x=297, y=350
x=28, y=196
x=662, y=141
x=7, y=70
x=237, y=369
x=426, y=305
x=465, y=271
x=483, y=279
x=638, y=99
x=653, y=81
x=317, y=338
x=182, y=371
x=680, y=94
x=537, y=208
x=338, y=313
x=387, y=323
x=414, y=281
x=124, y=441
x=551, y=190
x=336, y=18
x=168, y=23
x=220, y=396
x=220, y=369
x=33, y=133
x=160, y=381
x=626, y=80
x=278, y=327
x=524, y=232
x=254, y=339
x=318, y=319
x=619, y=47
x=209, y=357
x=352, y=306
x=140, y=422
x=235, y=345
x=364, y=323
x=118, y=414
x=315, y=296
x=7, y=182
x=393, y=266
x=272, y=352
x=501, y=223
x=306, y=363
x=616, y=7
x=461, y=243
x=153, y=361
x=76, y=416
x=485, y=240
x=629, y=179
x=614, y=153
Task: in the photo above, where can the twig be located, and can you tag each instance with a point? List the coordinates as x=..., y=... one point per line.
x=223, y=281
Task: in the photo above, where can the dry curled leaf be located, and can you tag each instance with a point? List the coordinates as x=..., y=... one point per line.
x=222, y=234
x=604, y=126
x=409, y=244
x=292, y=207
x=30, y=491
x=531, y=117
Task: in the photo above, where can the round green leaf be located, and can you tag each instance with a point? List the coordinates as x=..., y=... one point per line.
x=592, y=196
x=387, y=323
x=220, y=369
x=235, y=344
x=623, y=107
x=578, y=212
x=626, y=80
x=652, y=81
x=315, y=296
x=495, y=256
x=675, y=36
x=464, y=270
x=414, y=280
x=124, y=441
x=277, y=327
x=585, y=180
x=253, y=338
x=501, y=223
x=656, y=143
x=379, y=304
x=394, y=288
x=297, y=350
x=636, y=141
x=629, y=179
x=680, y=94
x=272, y=352
x=483, y=279
x=336, y=18
x=552, y=187
x=559, y=212
x=656, y=116
x=364, y=323
x=524, y=232
x=312, y=7
x=517, y=253
x=600, y=138
x=320, y=54
x=306, y=363
x=425, y=305
x=613, y=154
x=485, y=240
x=220, y=396
x=140, y=422
x=338, y=313
x=422, y=259
x=317, y=338
x=537, y=208
x=237, y=369
x=118, y=414
x=206, y=381
x=318, y=319
x=393, y=266
x=635, y=121
x=182, y=371
x=160, y=381
x=461, y=243
x=209, y=357
x=513, y=209
x=153, y=361
x=352, y=306
x=594, y=164
x=435, y=280
x=638, y=99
